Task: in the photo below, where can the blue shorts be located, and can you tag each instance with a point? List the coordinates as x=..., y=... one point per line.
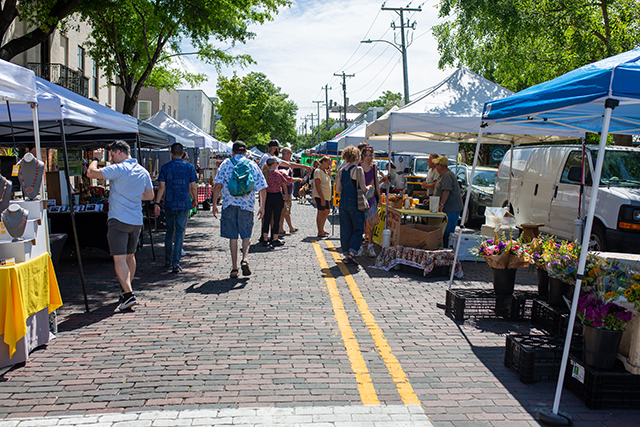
x=236, y=221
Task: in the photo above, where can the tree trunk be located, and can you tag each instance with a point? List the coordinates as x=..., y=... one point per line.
x=623, y=140
x=129, y=105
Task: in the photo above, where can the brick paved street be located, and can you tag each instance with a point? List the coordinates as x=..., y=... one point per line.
x=202, y=349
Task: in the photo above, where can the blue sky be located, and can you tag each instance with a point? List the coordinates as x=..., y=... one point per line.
x=304, y=45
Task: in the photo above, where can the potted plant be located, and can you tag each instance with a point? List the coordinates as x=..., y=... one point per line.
x=603, y=321
x=629, y=292
x=504, y=256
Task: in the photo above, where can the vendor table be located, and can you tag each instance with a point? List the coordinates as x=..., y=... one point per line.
x=91, y=226
x=29, y=292
x=439, y=217
x=419, y=258
x=204, y=192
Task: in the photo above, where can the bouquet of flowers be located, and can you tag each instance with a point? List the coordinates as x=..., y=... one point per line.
x=630, y=288
x=599, y=313
x=502, y=253
x=562, y=261
x=539, y=250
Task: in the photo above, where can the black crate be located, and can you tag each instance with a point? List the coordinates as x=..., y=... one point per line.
x=535, y=357
x=463, y=304
x=613, y=389
x=553, y=320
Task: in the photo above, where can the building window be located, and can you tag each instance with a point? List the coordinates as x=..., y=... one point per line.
x=95, y=80
x=64, y=45
x=169, y=110
x=174, y=113
x=80, y=58
x=164, y=107
x=144, y=109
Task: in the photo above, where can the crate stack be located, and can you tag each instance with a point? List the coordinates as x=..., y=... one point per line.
x=538, y=358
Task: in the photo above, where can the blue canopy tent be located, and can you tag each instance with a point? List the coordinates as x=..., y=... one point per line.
x=602, y=97
x=327, y=147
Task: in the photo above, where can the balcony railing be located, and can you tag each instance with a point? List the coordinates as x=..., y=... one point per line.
x=62, y=76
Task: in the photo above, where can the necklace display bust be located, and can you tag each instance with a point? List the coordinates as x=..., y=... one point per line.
x=6, y=187
x=15, y=220
x=30, y=176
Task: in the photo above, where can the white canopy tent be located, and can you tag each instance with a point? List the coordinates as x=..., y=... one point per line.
x=212, y=143
x=166, y=122
x=452, y=111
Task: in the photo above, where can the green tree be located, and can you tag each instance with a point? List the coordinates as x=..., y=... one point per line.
x=387, y=100
x=254, y=110
x=134, y=40
x=42, y=16
x=519, y=43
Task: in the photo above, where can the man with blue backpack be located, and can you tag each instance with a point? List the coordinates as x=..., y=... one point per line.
x=238, y=179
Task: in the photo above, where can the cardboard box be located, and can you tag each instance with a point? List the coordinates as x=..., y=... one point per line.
x=420, y=236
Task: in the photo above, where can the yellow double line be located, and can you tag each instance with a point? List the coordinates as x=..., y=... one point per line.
x=365, y=386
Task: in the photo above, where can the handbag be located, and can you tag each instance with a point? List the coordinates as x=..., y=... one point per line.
x=363, y=201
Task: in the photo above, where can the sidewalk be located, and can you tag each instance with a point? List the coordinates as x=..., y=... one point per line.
x=202, y=349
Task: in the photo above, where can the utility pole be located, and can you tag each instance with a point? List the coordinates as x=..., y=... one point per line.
x=403, y=44
x=344, y=89
x=318, y=127
x=326, y=101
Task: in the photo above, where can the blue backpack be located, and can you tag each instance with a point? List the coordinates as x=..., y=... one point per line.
x=241, y=182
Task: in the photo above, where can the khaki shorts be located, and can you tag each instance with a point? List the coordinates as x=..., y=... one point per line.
x=122, y=238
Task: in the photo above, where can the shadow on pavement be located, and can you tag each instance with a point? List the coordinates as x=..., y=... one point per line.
x=217, y=287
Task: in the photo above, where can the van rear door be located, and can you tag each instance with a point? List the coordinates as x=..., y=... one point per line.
x=566, y=198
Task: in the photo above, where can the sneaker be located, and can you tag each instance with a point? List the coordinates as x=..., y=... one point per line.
x=176, y=268
x=182, y=252
x=167, y=264
x=128, y=303
x=277, y=242
x=360, y=251
x=372, y=252
x=266, y=244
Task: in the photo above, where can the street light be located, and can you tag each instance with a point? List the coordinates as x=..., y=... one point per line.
x=403, y=50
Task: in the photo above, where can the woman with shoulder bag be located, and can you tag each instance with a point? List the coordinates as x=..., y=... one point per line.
x=350, y=178
x=372, y=218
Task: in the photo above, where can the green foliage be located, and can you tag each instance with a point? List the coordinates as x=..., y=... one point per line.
x=134, y=40
x=254, y=110
x=387, y=100
x=519, y=43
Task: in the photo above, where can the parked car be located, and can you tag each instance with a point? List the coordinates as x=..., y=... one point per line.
x=545, y=188
x=482, y=188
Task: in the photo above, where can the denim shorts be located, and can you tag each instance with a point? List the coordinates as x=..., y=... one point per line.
x=236, y=221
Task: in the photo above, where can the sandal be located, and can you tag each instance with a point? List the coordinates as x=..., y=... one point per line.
x=245, y=268
x=350, y=260
x=234, y=273
x=293, y=230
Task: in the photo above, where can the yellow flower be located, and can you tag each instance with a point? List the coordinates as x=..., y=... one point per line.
x=594, y=272
x=636, y=286
x=628, y=293
x=609, y=295
x=636, y=276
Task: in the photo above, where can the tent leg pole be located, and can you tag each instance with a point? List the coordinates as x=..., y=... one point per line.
x=610, y=104
x=73, y=216
x=466, y=207
x=146, y=204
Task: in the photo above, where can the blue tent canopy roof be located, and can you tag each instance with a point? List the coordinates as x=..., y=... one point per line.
x=576, y=99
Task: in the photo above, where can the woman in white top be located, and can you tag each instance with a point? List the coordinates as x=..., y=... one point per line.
x=322, y=193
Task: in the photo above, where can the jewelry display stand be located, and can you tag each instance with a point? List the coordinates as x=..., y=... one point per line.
x=33, y=242
x=5, y=195
x=30, y=176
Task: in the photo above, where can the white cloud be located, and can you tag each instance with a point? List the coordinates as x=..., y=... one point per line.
x=304, y=45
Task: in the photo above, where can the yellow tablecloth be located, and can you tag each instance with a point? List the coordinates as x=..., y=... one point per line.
x=25, y=289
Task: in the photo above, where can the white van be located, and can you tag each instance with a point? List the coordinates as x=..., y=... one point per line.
x=545, y=188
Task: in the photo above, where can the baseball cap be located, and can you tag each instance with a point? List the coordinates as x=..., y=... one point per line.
x=274, y=143
x=239, y=147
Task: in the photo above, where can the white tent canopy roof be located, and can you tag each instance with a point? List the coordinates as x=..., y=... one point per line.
x=166, y=122
x=452, y=111
x=17, y=83
x=211, y=142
